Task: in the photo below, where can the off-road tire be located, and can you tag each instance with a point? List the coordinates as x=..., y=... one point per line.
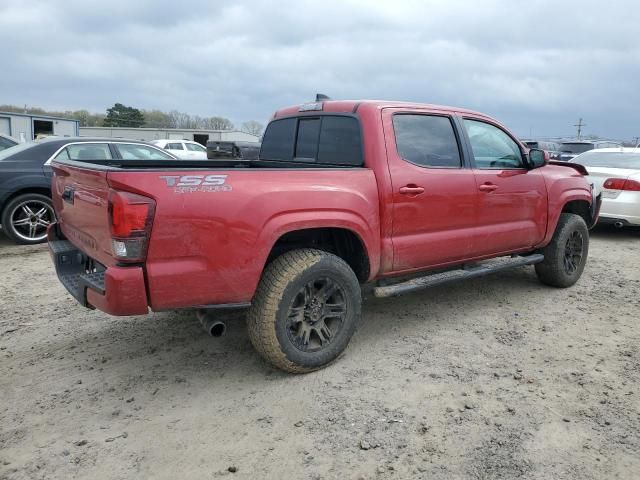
x=279, y=286
x=552, y=271
x=9, y=209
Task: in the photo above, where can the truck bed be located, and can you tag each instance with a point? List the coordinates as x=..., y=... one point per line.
x=213, y=228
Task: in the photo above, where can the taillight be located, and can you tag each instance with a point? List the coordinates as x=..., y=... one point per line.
x=130, y=217
x=622, y=184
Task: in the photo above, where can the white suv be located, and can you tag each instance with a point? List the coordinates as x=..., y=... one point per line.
x=183, y=149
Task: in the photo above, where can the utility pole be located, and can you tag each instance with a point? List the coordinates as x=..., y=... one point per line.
x=580, y=125
x=636, y=141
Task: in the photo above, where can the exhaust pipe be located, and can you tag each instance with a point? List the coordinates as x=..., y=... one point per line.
x=618, y=224
x=213, y=326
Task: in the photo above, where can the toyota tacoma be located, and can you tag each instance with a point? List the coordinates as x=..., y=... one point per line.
x=398, y=195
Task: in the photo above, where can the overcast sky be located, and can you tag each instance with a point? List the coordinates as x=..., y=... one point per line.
x=537, y=65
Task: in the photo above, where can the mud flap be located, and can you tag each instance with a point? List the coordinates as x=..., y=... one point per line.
x=594, y=210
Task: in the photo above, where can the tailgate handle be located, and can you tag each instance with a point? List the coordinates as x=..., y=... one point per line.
x=67, y=195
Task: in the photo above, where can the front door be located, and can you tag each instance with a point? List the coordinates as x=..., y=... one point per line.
x=434, y=190
x=512, y=200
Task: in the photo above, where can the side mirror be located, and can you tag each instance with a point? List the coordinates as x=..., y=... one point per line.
x=537, y=158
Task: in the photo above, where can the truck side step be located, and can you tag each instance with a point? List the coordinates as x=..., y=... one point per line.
x=477, y=270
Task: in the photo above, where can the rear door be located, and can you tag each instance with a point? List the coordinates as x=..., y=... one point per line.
x=434, y=191
x=512, y=200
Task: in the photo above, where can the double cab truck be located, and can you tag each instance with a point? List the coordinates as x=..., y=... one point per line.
x=398, y=195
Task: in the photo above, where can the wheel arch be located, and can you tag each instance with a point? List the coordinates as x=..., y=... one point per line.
x=340, y=241
x=579, y=207
x=576, y=201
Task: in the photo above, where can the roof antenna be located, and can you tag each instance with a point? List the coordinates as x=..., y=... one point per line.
x=321, y=97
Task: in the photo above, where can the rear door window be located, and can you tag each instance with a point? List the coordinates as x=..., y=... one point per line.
x=427, y=140
x=194, y=147
x=132, y=151
x=87, y=151
x=174, y=146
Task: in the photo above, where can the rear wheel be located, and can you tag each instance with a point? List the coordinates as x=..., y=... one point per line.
x=26, y=217
x=305, y=310
x=566, y=255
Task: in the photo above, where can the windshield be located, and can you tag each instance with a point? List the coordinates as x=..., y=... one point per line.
x=7, y=152
x=576, y=147
x=609, y=159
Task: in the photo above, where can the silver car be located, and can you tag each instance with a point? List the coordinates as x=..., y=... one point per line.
x=616, y=173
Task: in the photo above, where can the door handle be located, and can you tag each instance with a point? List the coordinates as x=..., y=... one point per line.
x=411, y=190
x=487, y=187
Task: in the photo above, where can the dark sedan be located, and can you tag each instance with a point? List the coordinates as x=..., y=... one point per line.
x=25, y=178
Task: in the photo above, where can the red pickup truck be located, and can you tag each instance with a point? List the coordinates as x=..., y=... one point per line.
x=343, y=193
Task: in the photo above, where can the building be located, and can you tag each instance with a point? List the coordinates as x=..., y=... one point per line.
x=26, y=126
x=148, y=134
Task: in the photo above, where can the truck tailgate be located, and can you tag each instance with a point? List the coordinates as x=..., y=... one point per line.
x=80, y=198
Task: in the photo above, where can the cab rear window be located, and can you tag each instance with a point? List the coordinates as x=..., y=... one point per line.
x=325, y=140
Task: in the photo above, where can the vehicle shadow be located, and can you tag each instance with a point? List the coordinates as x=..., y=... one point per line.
x=171, y=347
x=613, y=233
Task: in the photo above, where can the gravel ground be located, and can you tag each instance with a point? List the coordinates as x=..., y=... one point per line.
x=498, y=377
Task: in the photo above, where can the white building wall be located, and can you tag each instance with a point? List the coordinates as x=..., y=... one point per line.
x=5, y=126
x=64, y=129
x=20, y=126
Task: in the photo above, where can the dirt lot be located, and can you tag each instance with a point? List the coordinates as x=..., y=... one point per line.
x=492, y=378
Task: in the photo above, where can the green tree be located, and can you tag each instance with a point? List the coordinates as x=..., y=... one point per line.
x=122, y=116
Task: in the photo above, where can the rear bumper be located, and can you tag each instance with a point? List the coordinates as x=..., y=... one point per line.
x=625, y=207
x=611, y=219
x=113, y=290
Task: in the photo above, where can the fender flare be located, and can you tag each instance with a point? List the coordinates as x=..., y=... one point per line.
x=557, y=207
x=287, y=222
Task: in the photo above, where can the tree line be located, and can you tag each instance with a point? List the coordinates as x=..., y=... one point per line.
x=124, y=116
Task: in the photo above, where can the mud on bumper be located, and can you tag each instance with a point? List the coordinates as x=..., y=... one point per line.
x=114, y=290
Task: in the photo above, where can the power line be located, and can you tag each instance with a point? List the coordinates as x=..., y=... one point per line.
x=580, y=125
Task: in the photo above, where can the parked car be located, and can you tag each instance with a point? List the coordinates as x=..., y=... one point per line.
x=6, y=142
x=232, y=150
x=573, y=148
x=552, y=148
x=185, y=149
x=25, y=178
x=616, y=172
x=343, y=193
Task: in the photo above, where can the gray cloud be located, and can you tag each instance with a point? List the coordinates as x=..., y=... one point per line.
x=536, y=66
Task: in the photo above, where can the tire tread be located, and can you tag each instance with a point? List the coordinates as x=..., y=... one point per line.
x=262, y=315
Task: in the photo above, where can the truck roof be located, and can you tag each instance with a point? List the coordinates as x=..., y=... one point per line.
x=352, y=106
